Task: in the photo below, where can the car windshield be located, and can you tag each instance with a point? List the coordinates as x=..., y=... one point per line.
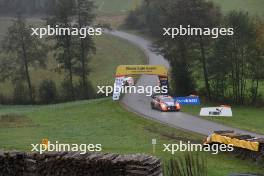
x=168, y=100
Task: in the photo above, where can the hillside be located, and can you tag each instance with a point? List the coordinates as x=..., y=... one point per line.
x=119, y=7
x=254, y=7
x=116, y=7
x=124, y=53
x=105, y=122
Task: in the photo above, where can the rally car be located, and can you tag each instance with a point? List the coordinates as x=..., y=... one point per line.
x=164, y=103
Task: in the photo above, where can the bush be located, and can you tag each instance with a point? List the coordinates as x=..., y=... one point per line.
x=186, y=165
x=135, y=20
x=20, y=94
x=5, y=99
x=47, y=91
x=85, y=92
x=66, y=92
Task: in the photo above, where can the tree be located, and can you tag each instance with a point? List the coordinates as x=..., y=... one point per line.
x=47, y=91
x=241, y=58
x=64, y=43
x=231, y=66
x=178, y=50
x=85, y=45
x=22, y=51
x=205, y=15
x=219, y=69
x=197, y=14
x=73, y=52
x=256, y=62
x=173, y=13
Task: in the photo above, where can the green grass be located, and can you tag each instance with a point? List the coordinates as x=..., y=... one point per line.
x=111, y=52
x=119, y=7
x=254, y=7
x=116, y=7
x=104, y=121
x=247, y=118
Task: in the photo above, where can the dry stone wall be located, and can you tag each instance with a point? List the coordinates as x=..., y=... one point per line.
x=75, y=164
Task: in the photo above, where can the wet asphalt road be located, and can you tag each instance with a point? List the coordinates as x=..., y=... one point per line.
x=140, y=103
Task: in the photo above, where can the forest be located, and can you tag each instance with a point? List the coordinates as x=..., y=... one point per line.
x=227, y=69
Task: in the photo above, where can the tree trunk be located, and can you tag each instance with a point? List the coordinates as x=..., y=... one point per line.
x=83, y=66
x=206, y=80
x=71, y=82
x=69, y=62
x=82, y=55
x=30, y=91
x=254, y=89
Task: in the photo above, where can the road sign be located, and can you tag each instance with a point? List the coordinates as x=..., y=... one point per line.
x=191, y=100
x=216, y=111
x=154, y=142
x=118, y=87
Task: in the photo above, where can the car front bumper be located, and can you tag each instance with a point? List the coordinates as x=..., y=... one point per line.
x=171, y=108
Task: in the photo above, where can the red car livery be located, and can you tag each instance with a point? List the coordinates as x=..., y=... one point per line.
x=164, y=103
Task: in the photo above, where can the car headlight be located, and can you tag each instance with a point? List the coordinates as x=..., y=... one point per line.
x=163, y=106
x=178, y=105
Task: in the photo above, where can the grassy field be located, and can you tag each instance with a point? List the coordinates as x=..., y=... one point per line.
x=114, y=11
x=116, y=7
x=111, y=52
x=119, y=7
x=102, y=121
x=247, y=118
x=254, y=7
x=103, y=65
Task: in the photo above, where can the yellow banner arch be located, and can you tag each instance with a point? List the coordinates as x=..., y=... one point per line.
x=124, y=70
